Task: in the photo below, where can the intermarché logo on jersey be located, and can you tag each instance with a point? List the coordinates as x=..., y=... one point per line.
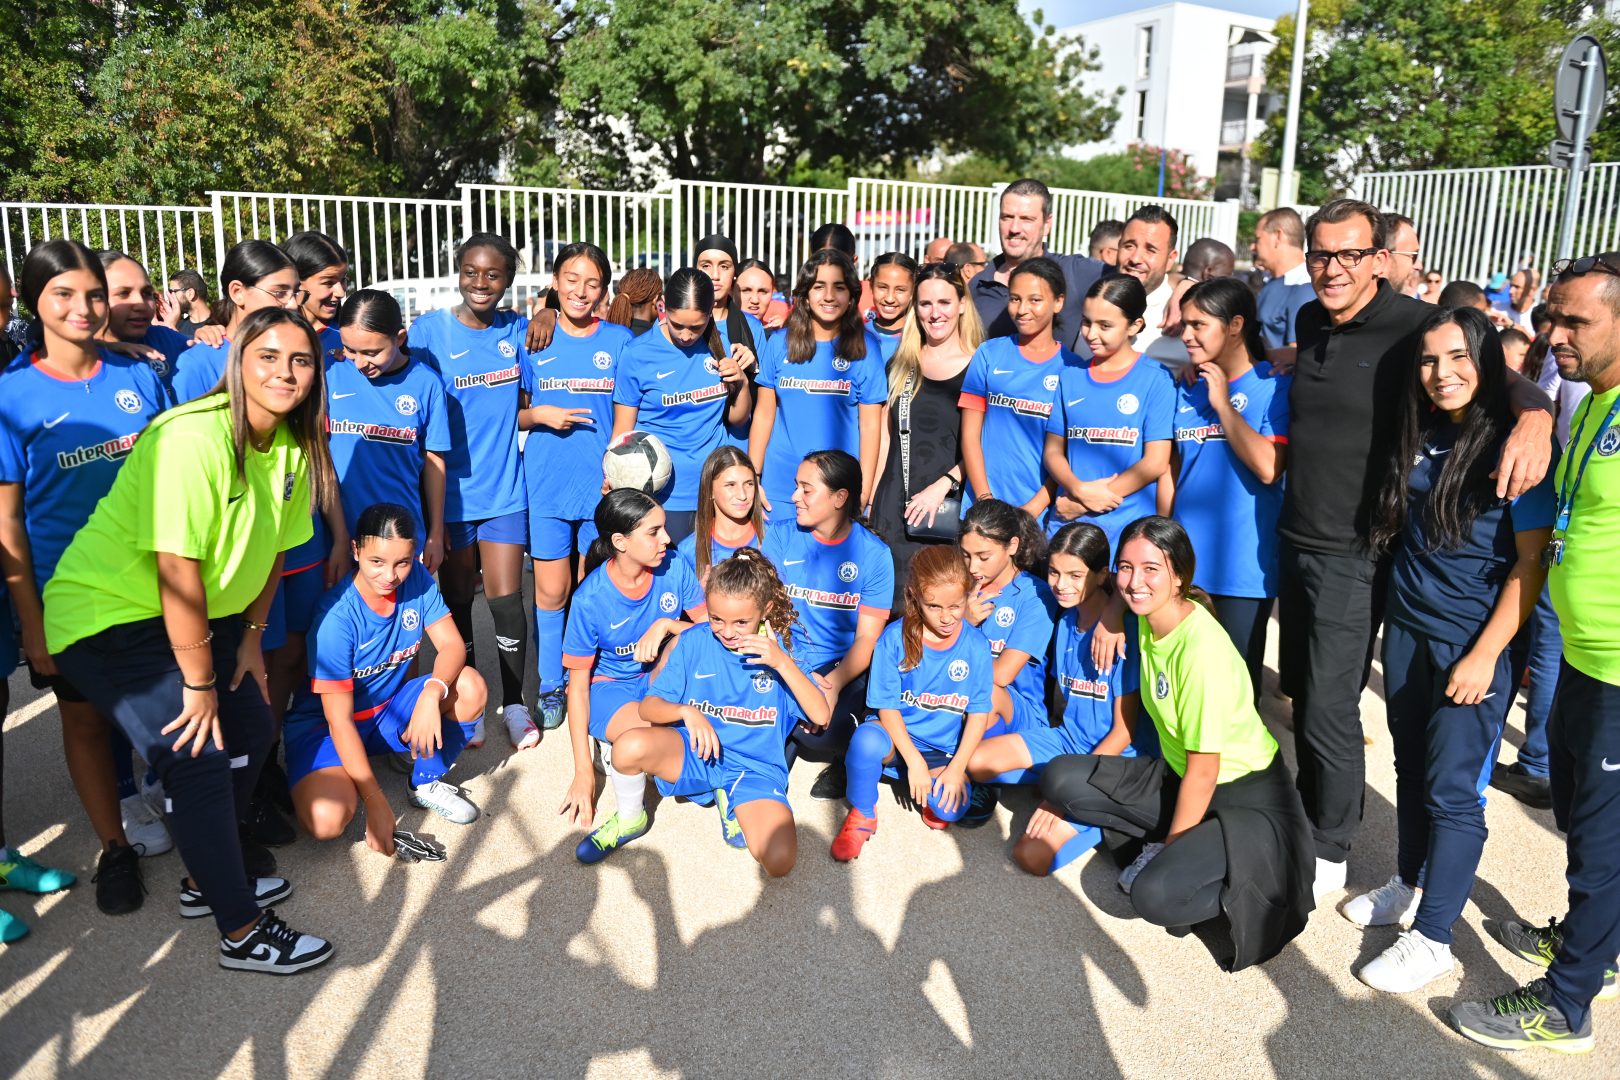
x=404, y=436
x=816, y=386
x=1021, y=406
x=488, y=378
x=693, y=397
x=1202, y=434
x=1107, y=436
x=111, y=450
x=395, y=658
x=575, y=386
x=951, y=703
x=821, y=598
x=1073, y=686
x=764, y=716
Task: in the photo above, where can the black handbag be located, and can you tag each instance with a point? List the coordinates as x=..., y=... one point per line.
x=946, y=519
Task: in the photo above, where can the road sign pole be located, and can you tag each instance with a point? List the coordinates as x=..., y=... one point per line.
x=1572, y=190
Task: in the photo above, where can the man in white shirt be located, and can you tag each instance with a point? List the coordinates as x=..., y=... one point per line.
x=1147, y=250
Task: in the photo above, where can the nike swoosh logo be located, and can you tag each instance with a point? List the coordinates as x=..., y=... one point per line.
x=1076, y=401
x=459, y=355
x=710, y=675
x=1607, y=767
x=999, y=371
x=620, y=623
x=665, y=374
x=368, y=644
x=58, y=420
x=1437, y=453
x=233, y=498
x=340, y=397
x=774, y=791
x=791, y=562
x=1186, y=408
x=543, y=363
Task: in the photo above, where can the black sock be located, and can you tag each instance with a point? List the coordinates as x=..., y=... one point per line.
x=461, y=615
x=511, y=639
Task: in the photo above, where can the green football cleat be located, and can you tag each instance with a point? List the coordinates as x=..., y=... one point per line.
x=21, y=872
x=609, y=837
x=730, y=831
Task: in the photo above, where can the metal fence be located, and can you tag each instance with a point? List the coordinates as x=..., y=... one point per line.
x=1473, y=223
x=900, y=215
x=1076, y=213
x=164, y=238
x=772, y=224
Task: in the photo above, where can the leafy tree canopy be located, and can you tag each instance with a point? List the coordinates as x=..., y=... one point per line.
x=1132, y=171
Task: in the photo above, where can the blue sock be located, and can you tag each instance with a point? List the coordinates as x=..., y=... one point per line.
x=123, y=766
x=428, y=769
x=1083, y=841
x=864, y=764
x=548, y=643
x=950, y=815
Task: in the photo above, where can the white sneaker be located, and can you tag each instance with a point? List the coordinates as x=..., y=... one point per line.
x=520, y=727
x=1329, y=876
x=1127, y=876
x=145, y=830
x=477, y=739
x=1391, y=903
x=446, y=801
x=1412, y=962
x=152, y=795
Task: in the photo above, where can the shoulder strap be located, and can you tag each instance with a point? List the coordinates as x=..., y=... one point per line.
x=737, y=329
x=903, y=423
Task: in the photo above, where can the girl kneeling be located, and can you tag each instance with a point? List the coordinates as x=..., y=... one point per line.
x=931, y=687
x=736, y=672
x=361, y=700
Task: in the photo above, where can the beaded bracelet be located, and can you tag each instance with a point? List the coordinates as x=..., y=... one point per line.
x=198, y=645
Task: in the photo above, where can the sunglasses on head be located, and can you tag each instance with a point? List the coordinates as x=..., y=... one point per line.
x=1608, y=261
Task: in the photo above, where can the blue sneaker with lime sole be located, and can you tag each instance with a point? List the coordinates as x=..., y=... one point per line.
x=609, y=837
x=18, y=871
x=730, y=831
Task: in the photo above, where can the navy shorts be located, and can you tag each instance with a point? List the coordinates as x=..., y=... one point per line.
x=743, y=783
x=556, y=538
x=293, y=609
x=608, y=696
x=510, y=528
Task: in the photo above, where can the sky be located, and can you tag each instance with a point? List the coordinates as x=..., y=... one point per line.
x=1066, y=13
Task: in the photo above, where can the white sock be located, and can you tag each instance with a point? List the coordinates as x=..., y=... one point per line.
x=630, y=792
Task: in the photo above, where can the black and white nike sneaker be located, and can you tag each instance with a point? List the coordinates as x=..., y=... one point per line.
x=275, y=948
x=266, y=891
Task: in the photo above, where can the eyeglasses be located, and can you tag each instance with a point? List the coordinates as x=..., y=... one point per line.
x=283, y=293
x=1609, y=261
x=1349, y=258
x=1409, y=254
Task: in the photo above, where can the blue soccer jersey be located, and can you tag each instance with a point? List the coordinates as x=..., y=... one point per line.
x=832, y=585
x=480, y=370
x=751, y=709
x=817, y=407
x=198, y=370
x=1229, y=515
x=1089, y=694
x=360, y=649
x=381, y=430
x=171, y=343
x=1015, y=394
x=1107, y=425
x=680, y=398
x=1022, y=620
x=954, y=678
x=65, y=441
x=563, y=469
x=737, y=434
x=331, y=345
x=605, y=622
x=718, y=552
x=888, y=341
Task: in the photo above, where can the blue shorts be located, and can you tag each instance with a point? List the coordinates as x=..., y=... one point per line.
x=507, y=529
x=1026, y=717
x=934, y=759
x=307, y=740
x=743, y=783
x=608, y=696
x=293, y=609
x=1046, y=743
x=556, y=538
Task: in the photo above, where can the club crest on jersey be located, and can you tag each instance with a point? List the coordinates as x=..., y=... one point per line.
x=405, y=405
x=847, y=571
x=160, y=368
x=762, y=682
x=287, y=486
x=1050, y=382
x=840, y=364
x=711, y=365
x=1609, y=443
x=410, y=618
x=602, y=360
x=666, y=603
x=1161, y=686
x=1005, y=616
x=1240, y=401
x=128, y=400
x=1127, y=403
x=508, y=350
x=958, y=670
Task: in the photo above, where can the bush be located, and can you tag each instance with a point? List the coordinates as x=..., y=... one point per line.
x=1134, y=171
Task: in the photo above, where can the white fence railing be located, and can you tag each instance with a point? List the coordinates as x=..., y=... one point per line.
x=771, y=224
x=900, y=215
x=1473, y=223
x=163, y=238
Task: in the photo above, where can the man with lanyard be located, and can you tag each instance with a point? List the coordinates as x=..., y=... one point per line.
x=1025, y=222
x=1356, y=343
x=1583, y=730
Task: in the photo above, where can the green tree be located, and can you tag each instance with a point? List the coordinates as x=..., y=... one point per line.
x=1133, y=171
x=759, y=90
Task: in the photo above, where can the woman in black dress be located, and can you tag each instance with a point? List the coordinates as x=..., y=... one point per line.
x=925, y=379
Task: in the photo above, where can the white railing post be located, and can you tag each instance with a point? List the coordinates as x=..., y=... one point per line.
x=218, y=216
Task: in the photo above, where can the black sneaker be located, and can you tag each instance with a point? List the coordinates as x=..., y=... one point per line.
x=266, y=891
x=273, y=786
x=257, y=860
x=119, y=886
x=274, y=947
x=263, y=825
x=1520, y=1020
x=1539, y=944
x=981, y=806
x=830, y=785
x=1534, y=791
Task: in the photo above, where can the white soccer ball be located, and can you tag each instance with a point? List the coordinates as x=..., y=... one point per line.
x=638, y=460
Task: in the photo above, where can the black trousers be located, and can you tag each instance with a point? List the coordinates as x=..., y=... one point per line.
x=1245, y=621
x=1330, y=608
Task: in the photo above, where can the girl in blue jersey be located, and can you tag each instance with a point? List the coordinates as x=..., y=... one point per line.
x=69, y=413
x=735, y=690
x=631, y=600
x=1009, y=390
x=361, y=698
x=256, y=274
x=1108, y=440
x=717, y=257
x=132, y=328
x=821, y=384
x=731, y=517
x=566, y=406
x=1099, y=708
x=893, y=277
x=478, y=350
x=842, y=576
x=1232, y=443
x=680, y=382
x=931, y=692
x=1467, y=573
x=323, y=268
x=1002, y=544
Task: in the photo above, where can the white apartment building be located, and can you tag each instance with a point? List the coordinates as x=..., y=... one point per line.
x=1194, y=80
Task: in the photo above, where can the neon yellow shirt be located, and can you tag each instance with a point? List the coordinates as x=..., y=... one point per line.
x=179, y=492
x=1197, y=690
x=1582, y=585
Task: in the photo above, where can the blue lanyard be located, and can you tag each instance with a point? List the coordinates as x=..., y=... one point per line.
x=1566, y=498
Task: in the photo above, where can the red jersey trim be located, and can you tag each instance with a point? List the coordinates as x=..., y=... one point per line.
x=332, y=686
x=972, y=401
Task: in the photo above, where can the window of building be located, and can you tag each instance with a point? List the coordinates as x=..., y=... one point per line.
x=1141, y=114
x=1144, y=52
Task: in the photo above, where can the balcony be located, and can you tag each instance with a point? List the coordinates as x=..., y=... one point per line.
x=1234, y=132
x=1239, y=68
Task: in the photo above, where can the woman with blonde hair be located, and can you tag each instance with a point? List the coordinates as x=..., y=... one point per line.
x=923, y=423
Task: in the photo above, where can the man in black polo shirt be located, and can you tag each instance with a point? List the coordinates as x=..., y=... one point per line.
x=1357, y=340
x=1026, y=219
